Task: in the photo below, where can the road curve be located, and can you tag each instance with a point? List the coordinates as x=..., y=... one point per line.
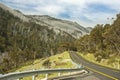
x=103, y=73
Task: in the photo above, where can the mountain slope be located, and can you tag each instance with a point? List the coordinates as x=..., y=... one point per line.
x=21, y=41
x=70, y=27
x=14, y=12
x=57, y=25
x=25, y=37
x=103, y=43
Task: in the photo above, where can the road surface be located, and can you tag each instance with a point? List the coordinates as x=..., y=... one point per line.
x=103, y=73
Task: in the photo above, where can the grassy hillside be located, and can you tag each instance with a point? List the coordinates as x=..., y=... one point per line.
x=58, y=61
x=112, y=62
x=103, y=43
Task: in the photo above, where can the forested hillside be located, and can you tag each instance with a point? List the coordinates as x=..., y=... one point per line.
x=22, y=41
x=103, y=41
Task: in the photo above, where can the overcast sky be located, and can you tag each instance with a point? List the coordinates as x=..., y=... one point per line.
x=85, y=12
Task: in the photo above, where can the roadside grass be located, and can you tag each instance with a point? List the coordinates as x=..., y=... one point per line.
x=113, y=62
x=57, y=61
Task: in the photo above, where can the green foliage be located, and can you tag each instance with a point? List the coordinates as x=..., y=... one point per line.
x=23, y=41
x=103, y=41
x=2, y=43
x=54, y=61
x=47, y=63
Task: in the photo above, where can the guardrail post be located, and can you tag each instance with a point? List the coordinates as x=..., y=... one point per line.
x=33, y=77
x=46, y=76
x=18, y=79
x=59, y=74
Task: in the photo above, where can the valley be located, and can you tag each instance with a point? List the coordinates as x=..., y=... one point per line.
x=39, y=42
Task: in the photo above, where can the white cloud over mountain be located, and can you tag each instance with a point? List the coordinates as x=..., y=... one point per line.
x=85, y=12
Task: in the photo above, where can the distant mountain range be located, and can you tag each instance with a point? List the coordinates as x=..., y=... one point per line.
x=72, y=28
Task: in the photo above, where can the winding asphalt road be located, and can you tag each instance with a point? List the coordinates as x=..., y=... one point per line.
x=103, y=73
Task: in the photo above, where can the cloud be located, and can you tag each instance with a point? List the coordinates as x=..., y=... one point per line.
x=85, y=12
x=50, y=10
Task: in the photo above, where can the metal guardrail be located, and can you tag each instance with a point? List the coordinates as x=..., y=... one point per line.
x=17, y=75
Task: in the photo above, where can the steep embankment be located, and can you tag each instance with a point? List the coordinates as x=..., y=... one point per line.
x=57, y=61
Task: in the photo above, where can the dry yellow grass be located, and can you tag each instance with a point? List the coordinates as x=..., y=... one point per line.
x=104, y=62
x=57, y=61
